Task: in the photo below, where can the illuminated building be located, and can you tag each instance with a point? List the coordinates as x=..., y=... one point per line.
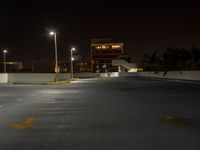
x=103, y=51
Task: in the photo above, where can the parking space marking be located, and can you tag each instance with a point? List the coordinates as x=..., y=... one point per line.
x=19, y=99
x=27, y=123
x=174, y=120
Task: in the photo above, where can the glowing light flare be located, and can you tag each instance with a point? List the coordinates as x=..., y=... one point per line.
x=5, y=51
x=73, y=49
x=51, y=33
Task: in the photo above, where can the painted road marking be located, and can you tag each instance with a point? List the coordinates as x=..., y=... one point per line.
x=176, y=121
x=19, y=99
x=27, y=123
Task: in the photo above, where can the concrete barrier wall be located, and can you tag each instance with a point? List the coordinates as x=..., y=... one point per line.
x=64, y=76
x=183, y=75
x=3, y=78
x=35, y=77
x=50, y=77
x=118, y=74
x=30, y=77
x=86, y=75
x=128, y=74
x=151, y=74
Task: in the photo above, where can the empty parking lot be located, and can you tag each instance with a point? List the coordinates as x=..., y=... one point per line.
x=101, y=113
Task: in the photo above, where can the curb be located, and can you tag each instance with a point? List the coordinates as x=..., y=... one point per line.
x=74, y=79
x=58, y=83
x=62, y=82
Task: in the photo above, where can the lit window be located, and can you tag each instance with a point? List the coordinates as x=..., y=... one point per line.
x=98, y=47
x=116, y=46
x=104, y=47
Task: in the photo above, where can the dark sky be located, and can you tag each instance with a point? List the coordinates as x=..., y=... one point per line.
x=142, y=25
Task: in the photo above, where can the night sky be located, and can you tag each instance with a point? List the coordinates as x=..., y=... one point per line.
x=144, y=26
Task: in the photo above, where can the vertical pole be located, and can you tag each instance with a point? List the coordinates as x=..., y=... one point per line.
x=4, y=56
x=91, y=60
x=71, y=65
x=56, y=57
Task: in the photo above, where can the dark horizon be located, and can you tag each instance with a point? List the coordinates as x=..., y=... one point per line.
x=143, y=26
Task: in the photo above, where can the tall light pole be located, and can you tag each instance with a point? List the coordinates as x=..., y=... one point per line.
x=72, y=59
x=4, y=58
x=56, y=53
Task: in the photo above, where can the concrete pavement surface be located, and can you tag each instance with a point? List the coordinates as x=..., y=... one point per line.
x=101, y=114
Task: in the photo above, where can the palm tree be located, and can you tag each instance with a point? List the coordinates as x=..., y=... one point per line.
x=175, y=59
x=152, y=62
x=195, y=60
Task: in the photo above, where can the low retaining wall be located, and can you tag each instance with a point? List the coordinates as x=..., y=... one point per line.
x=30, y=77
x=178, y=75
x=64, y=76
x=40, y=78
x=86, y=75
x=118, y=74
x=43, y=78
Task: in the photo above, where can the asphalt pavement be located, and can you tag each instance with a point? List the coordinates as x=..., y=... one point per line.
x=101, y=114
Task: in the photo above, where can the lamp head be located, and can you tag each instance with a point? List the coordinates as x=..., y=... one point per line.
x=52, y=33
x=73, y=49
x=5, y=51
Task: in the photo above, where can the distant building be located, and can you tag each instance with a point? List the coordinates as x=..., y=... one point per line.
x=64, y=66
x=103, y=51
x=81, y=66
x=126, y=57
x=11, y=66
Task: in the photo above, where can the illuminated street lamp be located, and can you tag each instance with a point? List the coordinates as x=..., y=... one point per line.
x=4, y=56
x=56, y=54
x=72, y=59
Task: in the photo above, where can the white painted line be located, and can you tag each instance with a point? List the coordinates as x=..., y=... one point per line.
x=19, y=99
x=33, y=94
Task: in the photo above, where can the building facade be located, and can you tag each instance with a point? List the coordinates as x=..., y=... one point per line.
x=103, y=51
x=82, y=66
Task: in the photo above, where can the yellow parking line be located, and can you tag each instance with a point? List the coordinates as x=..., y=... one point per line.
x=27, y=123
x=176, y=121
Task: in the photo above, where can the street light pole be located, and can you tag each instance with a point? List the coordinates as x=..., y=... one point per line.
x=4, y=58
x=72, y=59
x=56, y=54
